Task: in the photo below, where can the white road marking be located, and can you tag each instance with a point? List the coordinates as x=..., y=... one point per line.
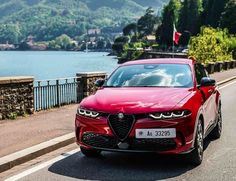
x=41, y=166
x=61, y=157
x=222, y=87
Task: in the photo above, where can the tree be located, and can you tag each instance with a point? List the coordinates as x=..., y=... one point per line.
x=183, y=16
x=147, y=23
x=194, y=16
x=108, y=45
x=212, y=12
x=130, y=29
x=119, y=43
x=24, y=46
x=184, y=39
x=190, y=16
x=62, y=42
x=100, y=44
x=10, y=33
x=228, y=19
x=169, y=18
x=232, y=46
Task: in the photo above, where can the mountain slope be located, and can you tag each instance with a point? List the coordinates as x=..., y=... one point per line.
x=53, y=17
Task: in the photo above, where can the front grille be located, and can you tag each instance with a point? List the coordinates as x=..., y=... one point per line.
x=111, y=142
x=98, y=140
x=121, y=127
x=158, y=144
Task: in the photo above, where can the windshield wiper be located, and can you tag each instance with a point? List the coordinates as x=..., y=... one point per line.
x=106, y=86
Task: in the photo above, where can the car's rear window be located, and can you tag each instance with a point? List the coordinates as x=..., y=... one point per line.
x=151, y=75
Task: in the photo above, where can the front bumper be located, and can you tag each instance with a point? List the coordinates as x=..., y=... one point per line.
x=97, y=134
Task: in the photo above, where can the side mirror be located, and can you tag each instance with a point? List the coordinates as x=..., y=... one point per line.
x=99, y=82
x=206, y=81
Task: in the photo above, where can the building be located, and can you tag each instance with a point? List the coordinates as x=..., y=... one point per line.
x=94, y=31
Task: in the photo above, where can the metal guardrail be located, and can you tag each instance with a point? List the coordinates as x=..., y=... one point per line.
x=56, y=92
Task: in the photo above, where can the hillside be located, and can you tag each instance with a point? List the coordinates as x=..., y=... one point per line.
x=47, y=19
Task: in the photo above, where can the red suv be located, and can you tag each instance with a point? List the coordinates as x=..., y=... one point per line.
x=167, y=106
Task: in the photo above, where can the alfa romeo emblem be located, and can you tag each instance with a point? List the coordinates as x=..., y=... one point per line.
x=120, y=115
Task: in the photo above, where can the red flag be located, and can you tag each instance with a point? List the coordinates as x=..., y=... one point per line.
x=176, y=36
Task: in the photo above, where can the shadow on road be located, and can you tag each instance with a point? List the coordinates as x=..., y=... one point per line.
x=121, y=166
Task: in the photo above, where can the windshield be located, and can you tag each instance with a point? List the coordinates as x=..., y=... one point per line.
x=151, y=75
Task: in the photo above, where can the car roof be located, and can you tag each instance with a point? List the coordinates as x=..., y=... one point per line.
x=160, y=61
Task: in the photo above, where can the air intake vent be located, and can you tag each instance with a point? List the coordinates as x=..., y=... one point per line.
x=121, y=125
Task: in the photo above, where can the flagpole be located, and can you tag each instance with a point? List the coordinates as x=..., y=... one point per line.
x=176, y=36
x=173, y=47
x=173, y=39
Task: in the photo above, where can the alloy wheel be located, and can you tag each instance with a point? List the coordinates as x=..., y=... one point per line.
x=219, y=122
x=199, y=140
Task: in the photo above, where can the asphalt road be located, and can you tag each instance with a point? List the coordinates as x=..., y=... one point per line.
x=219, y=159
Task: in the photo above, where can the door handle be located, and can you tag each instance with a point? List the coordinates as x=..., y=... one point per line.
x=210, y=91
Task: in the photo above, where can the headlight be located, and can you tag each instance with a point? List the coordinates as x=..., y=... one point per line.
x=170, y=114
x=87, y=113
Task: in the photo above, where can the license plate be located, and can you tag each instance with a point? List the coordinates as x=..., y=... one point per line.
x=155, y=133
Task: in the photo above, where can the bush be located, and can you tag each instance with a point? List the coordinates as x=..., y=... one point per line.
x=119, y=44
x=211, y=45
x=232, y=46
x=12, y=116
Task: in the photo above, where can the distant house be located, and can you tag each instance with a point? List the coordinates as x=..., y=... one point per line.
x=151, y=38
x=94, y=31
x=7, y=47
x=92, y=39
x=38, y=46
x=74, y=42
x=30, y=39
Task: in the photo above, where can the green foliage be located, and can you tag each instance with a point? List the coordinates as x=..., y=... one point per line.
x=147, y=23
x=12, y=115
x=100, y=44
x=190, y=16
x=194, y=15
x=228, y=19
x=119, y=44
x=184, y=39
x=48, y=19
x=152, y=3
x=211, y=45
x=212, y=12
x=183, y=16
x=155, y=46
x=62, y=42
x=9, y=33
x=131, y=54
x=24, y=46
x=232, y=46
x=130, y=29
x=131, y=46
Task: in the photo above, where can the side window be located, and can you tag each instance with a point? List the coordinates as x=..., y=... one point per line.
x=199, y=72
x=203, y=70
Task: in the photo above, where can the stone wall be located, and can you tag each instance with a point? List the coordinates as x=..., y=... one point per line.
x=16, y=96
x=87, y=80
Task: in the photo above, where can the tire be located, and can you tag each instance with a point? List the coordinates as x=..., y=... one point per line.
x=216, y=132
x=196, y=156
x=90, y=152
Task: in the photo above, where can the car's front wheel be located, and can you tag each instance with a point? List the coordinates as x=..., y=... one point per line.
x=90, y=152
x=196, y=155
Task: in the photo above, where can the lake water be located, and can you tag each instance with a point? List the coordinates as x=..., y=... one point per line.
x=53, y=64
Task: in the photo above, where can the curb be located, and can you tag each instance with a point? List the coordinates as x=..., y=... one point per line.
x=17, y=158
x=226, y=80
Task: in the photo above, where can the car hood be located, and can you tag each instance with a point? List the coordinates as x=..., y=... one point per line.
x=135, y=100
